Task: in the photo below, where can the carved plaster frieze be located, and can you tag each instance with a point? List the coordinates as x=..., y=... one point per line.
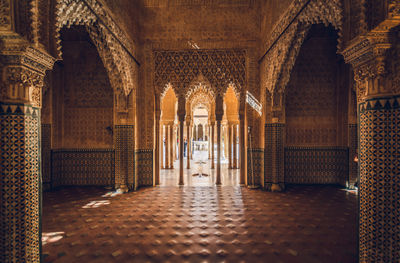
x=180, y=69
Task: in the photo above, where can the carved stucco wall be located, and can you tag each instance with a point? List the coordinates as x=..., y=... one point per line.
x=271, y=11
x=87, y=97
x=311, y=94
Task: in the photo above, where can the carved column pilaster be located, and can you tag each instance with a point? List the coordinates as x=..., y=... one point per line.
x=22, y=70
x=375, y=59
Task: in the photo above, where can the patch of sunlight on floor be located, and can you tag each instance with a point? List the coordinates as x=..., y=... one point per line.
x=51, y=237
x=95, y=204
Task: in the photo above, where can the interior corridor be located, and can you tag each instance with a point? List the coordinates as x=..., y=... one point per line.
x=200, y=224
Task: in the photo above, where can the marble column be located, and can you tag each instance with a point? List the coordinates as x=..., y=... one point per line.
x=212, y=145
x=162, y=146
x=230, y=146
x=226, y=142
x=209, y=142
x=235, y=154
x=174, y=144
x=158, y=149
x=167, y=143
x=171, y=144
x=191, y=143
x=243, y=151
x=188, y=146
x=181, y=148
x=218, y=181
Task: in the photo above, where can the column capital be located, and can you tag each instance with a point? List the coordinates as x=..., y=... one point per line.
x=22, y=72
x=374, y=58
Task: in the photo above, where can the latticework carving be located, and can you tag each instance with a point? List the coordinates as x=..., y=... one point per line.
x=181, y=68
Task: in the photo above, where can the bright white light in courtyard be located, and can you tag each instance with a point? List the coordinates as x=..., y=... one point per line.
x=95, y=204
x=52, y=237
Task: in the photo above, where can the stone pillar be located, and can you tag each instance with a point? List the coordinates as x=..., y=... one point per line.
x=188, y=145
x=377, y=72
x=171, y=146
x=212, y=145
x=20, y=179
x=234, y=138
x=243, y=149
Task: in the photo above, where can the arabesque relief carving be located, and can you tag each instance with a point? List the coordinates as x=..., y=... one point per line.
x=279, y=61
x=115, y=49
x=180, y=68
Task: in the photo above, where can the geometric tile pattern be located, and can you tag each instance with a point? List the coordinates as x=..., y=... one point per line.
x=255, y=165
x=202, y=224
x=380, y=180
x=144, y=164
x=83, y=167
x=274, y=155
x=46, y=156
x=316, y=165
x=353, y=149
x=124, y=156
x=19, y=183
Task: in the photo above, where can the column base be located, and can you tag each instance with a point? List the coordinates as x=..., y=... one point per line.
x=275, y=187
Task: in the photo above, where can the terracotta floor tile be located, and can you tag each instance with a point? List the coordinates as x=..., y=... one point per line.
x=200, y=224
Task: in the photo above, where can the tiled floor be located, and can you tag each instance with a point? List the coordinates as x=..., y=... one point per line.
x=200, y=224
